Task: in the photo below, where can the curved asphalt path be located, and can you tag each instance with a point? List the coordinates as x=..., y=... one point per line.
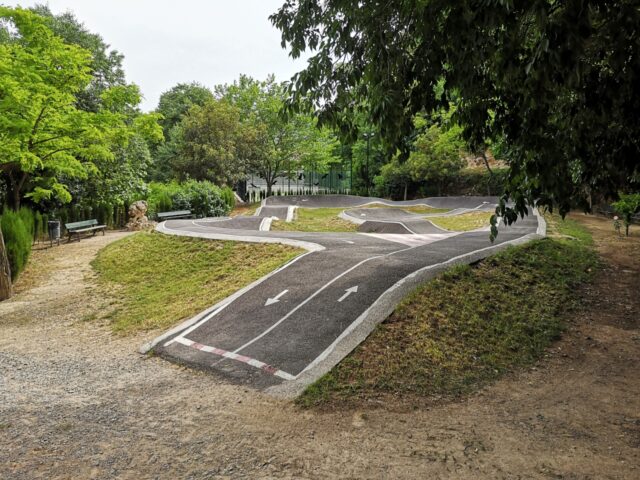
x=289, y=328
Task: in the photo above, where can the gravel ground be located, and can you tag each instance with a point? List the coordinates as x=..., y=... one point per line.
x=78, y=402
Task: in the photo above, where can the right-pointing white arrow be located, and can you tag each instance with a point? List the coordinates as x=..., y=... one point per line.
x=276, y=299
x=348, y=292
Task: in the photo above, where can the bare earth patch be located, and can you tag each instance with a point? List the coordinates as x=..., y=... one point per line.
x=79, y=402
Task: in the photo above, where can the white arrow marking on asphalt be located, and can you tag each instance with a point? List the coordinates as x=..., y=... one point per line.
x=276, y=299
x=348, y=292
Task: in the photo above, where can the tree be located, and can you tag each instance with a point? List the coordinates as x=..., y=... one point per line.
x=555, y=80
x=208, y=144
x=105, y=65
x=273, y=146
x=173, y=106
x=438, y=153
x=176, y=102
x=46, y=141
x=627, y=206
x=394, y=178
x=6, y=289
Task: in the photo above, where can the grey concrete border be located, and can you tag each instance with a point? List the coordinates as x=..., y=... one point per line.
x=265, y=224
x=309, y=246
x=358, y=221
x=291, y=213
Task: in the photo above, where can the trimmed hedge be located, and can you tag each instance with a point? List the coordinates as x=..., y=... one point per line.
x=18, y=238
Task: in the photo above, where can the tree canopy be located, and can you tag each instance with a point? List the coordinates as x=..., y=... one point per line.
x=554, y=81
x=176, y=102
x=105, y=66
x=274, y=146
x=45, y=139
x=208, y=144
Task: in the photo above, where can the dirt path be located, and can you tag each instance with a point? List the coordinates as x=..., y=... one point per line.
x=77, y=402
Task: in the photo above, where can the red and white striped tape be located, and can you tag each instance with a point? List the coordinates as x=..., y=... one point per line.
x=234, y=356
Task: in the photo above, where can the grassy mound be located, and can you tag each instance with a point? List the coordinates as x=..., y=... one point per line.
x=463, y=222
x=466, y=327
x=316, y=220
x=160, y=279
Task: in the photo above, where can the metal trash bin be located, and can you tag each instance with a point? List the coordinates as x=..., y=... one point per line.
x=54, y=231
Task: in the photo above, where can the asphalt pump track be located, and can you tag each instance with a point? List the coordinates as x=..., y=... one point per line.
x=287, y=329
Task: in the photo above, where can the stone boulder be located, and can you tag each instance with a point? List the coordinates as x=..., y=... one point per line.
x=138, y=217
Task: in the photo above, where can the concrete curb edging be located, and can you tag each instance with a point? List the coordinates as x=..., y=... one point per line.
x=265, y=224
x=309, y=246
x=542, y=223
x=362, y=327
x=291, y=211
x=358, y=221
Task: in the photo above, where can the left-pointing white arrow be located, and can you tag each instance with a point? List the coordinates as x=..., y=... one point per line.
x=276, y=299
x=348, y=292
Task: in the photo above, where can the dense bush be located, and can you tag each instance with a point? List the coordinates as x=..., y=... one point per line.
x=203, y=198
x=627, y=206
x=17, y=239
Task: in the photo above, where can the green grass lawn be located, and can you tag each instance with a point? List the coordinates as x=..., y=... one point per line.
x=466, y=327
x=464, y=222
x=413, y=209
x=245, y=209
x=160, y=279
x=316, y=220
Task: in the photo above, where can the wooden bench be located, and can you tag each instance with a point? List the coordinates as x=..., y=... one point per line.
x=86, y=226
x=174, y=215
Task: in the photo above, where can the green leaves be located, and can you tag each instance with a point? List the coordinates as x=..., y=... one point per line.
x=47, y=141
x=554, y=82
x=627, y=206
x=276, y=145
x=208, y=144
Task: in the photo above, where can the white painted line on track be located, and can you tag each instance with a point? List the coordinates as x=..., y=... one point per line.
x=412, y=240
x=314, y=294
x=227, y=301
x=265, y=367
x=348, y=292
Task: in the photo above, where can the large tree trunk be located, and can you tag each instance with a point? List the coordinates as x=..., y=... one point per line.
x=13, y=195
x=405, y=190
x=5, y=272
x=16, y=200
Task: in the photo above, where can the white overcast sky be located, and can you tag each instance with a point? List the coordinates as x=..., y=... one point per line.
x=167, y=42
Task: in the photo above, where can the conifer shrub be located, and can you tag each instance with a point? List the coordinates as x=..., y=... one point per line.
x=18, y=239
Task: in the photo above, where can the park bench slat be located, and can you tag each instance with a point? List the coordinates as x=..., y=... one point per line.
x=174, y=215
x=76, y=228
